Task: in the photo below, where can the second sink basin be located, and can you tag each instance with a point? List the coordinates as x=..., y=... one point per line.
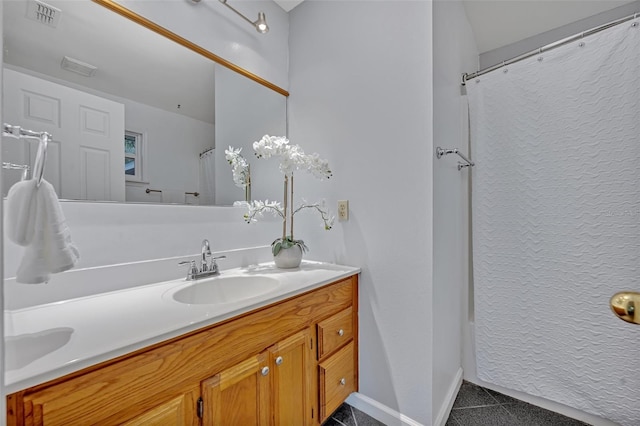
x=225, y=289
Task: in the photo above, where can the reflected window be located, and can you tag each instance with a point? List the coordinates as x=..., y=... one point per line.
x=133, y=156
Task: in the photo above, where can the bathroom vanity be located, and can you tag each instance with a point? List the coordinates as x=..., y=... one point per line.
x=286, y=357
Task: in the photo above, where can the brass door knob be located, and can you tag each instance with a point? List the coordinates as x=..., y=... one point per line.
x=624, y=305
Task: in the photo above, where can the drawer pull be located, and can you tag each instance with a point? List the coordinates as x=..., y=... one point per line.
x=279, y=360
x=341, y=332
x=343, y=381
x=265, y=371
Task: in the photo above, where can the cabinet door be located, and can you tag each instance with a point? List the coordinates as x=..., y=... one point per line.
x=293, y=379
x=181, y=410
x=239, y=395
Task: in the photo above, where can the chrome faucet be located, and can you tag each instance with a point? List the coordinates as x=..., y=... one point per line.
x=205, y=270
x=205, y=251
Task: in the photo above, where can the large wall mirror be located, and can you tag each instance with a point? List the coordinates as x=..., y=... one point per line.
x=135, y=116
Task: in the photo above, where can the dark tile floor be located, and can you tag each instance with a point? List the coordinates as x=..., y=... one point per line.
x=474, y=406
x=477, y=406
x=347, y=415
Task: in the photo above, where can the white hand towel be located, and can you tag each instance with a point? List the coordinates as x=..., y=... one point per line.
x=21, y=212
x=34, y=219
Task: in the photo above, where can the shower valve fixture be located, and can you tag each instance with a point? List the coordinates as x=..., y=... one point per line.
x=259, y=24
x=444, y=151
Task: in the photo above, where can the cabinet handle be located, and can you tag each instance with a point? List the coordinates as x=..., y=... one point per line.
x=343, y=381
x=341, y=332
x=279, y=360
x=265, y=371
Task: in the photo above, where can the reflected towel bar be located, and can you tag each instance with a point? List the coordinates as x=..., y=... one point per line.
x=41, y=155
x=444, y=151
x=24, y=167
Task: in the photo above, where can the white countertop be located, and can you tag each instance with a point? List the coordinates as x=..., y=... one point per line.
x=49, y=341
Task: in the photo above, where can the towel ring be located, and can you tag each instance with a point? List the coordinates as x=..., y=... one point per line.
x=41, y=158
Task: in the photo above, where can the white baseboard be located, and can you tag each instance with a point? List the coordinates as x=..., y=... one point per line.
x=391, y=417
x=380, y=412
x=443, y=415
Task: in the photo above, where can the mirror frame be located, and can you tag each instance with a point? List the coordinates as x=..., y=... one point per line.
x=141, y=20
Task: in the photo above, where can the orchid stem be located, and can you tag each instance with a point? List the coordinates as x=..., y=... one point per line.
x=284, y=219
x=291, y=206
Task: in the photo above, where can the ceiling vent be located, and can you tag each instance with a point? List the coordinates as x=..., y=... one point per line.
x=43, y=13
x=79, y=67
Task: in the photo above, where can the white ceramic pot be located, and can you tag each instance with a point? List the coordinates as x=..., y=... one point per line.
x=289, y=258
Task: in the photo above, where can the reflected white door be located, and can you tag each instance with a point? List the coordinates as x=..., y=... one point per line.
x=85, y=160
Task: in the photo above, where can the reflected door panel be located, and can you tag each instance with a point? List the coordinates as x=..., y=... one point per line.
x=87, y=131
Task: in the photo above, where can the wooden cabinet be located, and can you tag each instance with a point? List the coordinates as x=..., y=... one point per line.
x=238, y=395
x=337, y=380
x=180, y=410
x=276, y=384
x=264, y=367
x=293, y=366
x=334, y=332
x=337, y=353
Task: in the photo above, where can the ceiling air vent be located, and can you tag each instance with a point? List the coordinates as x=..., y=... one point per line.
x=43, y=13
x=79, y=67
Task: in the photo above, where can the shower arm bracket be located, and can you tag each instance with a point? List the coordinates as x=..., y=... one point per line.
x=440, y=152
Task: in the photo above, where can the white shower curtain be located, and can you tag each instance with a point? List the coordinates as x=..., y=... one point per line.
x=207, y=178
x=556, y=223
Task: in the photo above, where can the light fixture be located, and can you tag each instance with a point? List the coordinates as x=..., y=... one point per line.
x=260, y=24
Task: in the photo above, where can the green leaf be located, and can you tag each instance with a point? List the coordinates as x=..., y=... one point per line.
x=276, y=247
x=286, y=243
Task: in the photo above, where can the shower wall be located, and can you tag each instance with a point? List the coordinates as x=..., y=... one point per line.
x=454, y=52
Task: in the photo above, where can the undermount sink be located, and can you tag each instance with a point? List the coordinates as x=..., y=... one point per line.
x=225, y=289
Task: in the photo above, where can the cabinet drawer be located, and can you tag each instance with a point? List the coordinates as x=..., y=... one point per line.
x=335, y=332
x=337, y=380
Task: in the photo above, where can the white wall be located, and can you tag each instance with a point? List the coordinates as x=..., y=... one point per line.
x=245, y=111
x=219, y=30
x=361, y=96
x=126, y=234
x=454, y=52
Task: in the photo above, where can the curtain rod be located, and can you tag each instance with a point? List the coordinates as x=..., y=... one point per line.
x=466, y=76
